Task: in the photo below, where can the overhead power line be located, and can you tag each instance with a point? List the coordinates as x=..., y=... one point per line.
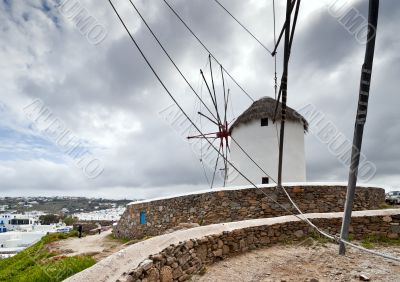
x=245, y=28
x=208, y=50
x=339, y=240
x=303, y=217
x=283, y=29
x=186, y=115
x=190, y=120
x=296, y=14
x=170, y=58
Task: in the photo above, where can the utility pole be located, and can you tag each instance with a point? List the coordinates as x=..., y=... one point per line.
x=284, y=88
x=361, y=118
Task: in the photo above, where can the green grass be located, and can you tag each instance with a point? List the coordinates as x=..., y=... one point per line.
x=319, y=238
x=371, y=242
x=127, y=241
x=121, y=240
x=386, y=206
x=38, y=264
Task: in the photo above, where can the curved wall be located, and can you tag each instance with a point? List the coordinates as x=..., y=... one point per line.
x=179, y=262
x=227, y=205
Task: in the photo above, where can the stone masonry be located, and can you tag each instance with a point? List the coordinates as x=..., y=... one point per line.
x=179, y=262
x=227, y=205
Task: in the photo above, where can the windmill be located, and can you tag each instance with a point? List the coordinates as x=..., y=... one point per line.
x=218, y=120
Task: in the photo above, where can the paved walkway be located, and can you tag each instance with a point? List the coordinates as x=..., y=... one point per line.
x=112, y=267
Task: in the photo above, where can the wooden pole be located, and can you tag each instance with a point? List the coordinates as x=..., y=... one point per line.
x=361, y=118
x=284, y=88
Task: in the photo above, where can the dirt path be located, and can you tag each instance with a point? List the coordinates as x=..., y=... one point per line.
x=302, y=263
x=114, y=266
x=99, y=246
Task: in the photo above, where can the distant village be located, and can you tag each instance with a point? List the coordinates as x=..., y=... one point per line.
x=57, y=205
x=25, y=220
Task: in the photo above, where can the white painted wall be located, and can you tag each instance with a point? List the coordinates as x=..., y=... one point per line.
x=15, y=239
x=5, y=221
x=261, y=143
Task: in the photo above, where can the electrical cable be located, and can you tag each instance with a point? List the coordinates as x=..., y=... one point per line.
x=245, y=28
x=208, y=50
x=303, y=218
x=169, y=57
x=184, y=112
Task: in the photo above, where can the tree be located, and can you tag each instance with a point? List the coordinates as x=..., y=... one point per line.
x=48, y=219
x=69, y=220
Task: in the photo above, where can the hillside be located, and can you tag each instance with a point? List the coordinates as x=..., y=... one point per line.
x=39, y=263
x=55, y=205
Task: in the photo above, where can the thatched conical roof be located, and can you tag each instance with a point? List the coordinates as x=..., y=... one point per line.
x=264, y=108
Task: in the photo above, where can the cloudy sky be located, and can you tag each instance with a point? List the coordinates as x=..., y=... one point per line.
x=97, y=89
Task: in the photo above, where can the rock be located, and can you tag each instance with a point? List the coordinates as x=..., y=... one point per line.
x=183, y=259
x=190, y=270
x=393, y=235
x=265, y=240
x=157, y=257
x=170, y=260
x=127, y=279
x=314, y=280
x=298, y=190
x=225, y=249
x=201, y=252
x=363, y=277
x=242, y=244
x=153, y=274
x=184, y=277
x=177, y=273
x=137, y=272
x=146, y=264
x=186, y=225
x=166, y=274
x=299, y=233
x=387, y=218
x=218, y=253
x=189, y=244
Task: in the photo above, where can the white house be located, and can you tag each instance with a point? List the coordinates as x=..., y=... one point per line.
x=255, y=132
x=18, y=222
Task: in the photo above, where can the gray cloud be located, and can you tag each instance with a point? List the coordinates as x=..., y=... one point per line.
x=108, y=96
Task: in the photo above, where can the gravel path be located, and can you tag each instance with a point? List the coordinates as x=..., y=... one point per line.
x=303, y=263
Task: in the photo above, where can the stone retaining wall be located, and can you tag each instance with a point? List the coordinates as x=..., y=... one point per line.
x=89, y=225
x=179, y=262
x=240, y=204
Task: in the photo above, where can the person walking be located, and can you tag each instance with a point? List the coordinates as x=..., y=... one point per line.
x=80, y=230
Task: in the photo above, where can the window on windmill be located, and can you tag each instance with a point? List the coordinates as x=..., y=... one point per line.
x=264, y=122
x=142, y=217
x=265, y=180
